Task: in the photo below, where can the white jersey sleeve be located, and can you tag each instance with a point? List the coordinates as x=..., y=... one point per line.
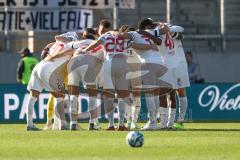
x=103, y=37
x=155, y=32
x=176, y=28
x=71, y=36
x=139, y=38
x=82, y=43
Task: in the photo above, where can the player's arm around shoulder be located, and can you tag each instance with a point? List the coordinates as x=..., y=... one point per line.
x=90, y=47
x=45, y=51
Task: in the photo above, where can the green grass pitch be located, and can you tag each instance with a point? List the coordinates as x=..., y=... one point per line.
x=200, y=141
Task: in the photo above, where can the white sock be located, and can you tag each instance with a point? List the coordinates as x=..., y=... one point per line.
x=136, y=108
x=151, y=108
x=183, y=104
x=60, y=111
x=29, y=110
x=163, y=117
x=171, y=117
x=110, y=116
x=73, y=109
x=157, y=103
x=56, y=122
x=135, y=111
x=91, y=107
x=121, y=111
x=158, y=113
x=123, y=103
x=129, y=113
x=109, y=110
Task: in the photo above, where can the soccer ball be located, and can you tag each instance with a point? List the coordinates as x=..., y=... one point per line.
x=135, y=139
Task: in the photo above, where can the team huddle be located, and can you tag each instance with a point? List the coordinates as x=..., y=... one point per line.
x=123, y=64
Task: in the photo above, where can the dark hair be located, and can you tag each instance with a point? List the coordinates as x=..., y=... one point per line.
x=24, y=51
x=145, y=22
x=131, y=29
x=105, y=23
x=189, y=53
x=89, y=33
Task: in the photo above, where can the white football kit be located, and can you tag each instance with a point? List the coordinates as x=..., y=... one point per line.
x=173, y=53
x=86, y=68
x=48, y=74
x=115, y=62
x=153, y=64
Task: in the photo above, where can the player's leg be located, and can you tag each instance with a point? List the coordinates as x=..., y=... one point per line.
x=172, y=109
x=73, y=92
x=35, y=87
x=152, y=114
x=163, y=109
x=121, y=85
x=108, y=100
x=93, y=75
x=134, y=77
x=74, y=78
x=123, y=103
x=129, y=113
x=50, y=111
x=108, y=93
x=93, y=108
x=151, y=80
x=136, y=108
x=30, y=109
x=183, y=104
x=59, y=109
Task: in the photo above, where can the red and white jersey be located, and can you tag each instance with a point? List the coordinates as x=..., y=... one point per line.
x=114, y=44
x=59, y=46
x=150, y=56
x=172, y=51
x=167, y=46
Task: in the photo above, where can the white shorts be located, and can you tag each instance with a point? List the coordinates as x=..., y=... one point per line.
x=84, y=68
x=134, y=70
x=48, y=75
x=154, y=67
x=114, y=71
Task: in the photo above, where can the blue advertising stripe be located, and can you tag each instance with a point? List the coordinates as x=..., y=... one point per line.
x=212, y=101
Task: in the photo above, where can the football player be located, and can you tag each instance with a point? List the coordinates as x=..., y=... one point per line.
x=152, y=67
x=47, y=75
x=84, y=68
x=172, y=52
x=115, y=70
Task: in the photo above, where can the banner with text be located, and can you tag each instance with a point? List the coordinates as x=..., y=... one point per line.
x=89, y=4
x=217, y=101
x=45, y=20
x=209, y=102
